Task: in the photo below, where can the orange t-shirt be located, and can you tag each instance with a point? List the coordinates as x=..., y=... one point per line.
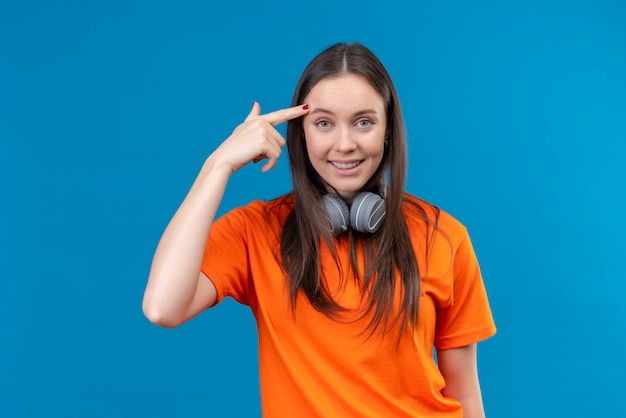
x=314, y=366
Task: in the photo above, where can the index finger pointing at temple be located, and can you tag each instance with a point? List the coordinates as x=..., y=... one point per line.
x=283, y=115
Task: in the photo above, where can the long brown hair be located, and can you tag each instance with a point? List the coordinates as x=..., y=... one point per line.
x=387, y=252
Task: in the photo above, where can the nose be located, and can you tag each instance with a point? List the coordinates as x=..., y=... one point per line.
x=345, y=141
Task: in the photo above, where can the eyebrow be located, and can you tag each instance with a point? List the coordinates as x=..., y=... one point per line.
x=330, y=112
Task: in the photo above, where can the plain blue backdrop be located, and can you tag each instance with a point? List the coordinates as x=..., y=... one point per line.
x=516, y=114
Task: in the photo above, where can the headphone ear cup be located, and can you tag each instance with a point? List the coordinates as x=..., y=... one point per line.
x=367, y=212
x=338, y=213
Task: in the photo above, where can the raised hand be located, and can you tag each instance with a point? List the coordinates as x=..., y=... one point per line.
x=176, y=289
x=256, y=138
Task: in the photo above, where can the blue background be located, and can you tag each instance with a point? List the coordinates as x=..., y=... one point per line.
x=516, y=113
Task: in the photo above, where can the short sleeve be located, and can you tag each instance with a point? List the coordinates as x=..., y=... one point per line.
x=468, y=318
x=226, y=260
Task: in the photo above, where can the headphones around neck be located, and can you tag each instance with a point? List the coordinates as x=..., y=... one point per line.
x=365, y=215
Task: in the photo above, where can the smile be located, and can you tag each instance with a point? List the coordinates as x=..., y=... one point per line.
x=345, y=166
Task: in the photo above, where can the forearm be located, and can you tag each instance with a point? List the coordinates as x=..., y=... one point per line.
x=175, y=269
x=174, y=292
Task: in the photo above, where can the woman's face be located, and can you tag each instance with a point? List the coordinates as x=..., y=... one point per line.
x=345, y=132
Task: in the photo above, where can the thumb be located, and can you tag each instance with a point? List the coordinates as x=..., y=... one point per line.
x=255, y=111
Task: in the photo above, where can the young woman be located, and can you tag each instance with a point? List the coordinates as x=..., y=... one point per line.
x=352, y=281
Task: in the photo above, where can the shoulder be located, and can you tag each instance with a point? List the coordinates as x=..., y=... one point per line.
x=418, y=210
x=279, y=207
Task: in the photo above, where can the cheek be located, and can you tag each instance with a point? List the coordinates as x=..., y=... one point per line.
x=314, y=144
x=376, y=146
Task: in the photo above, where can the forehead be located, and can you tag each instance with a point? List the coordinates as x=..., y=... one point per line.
x=345, y=90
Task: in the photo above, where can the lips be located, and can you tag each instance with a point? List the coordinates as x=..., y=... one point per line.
x=345, y=166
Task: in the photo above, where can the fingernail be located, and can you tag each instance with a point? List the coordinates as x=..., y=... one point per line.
x=253, y=104
x=305, y=107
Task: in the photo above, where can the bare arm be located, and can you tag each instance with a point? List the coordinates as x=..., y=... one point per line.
x=460, y=371
x=177, y=290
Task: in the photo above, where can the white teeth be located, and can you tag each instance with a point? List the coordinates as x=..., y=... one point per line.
x=346, y=166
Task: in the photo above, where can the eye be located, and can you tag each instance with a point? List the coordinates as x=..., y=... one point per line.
x=323, y=124
x=364, y=123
